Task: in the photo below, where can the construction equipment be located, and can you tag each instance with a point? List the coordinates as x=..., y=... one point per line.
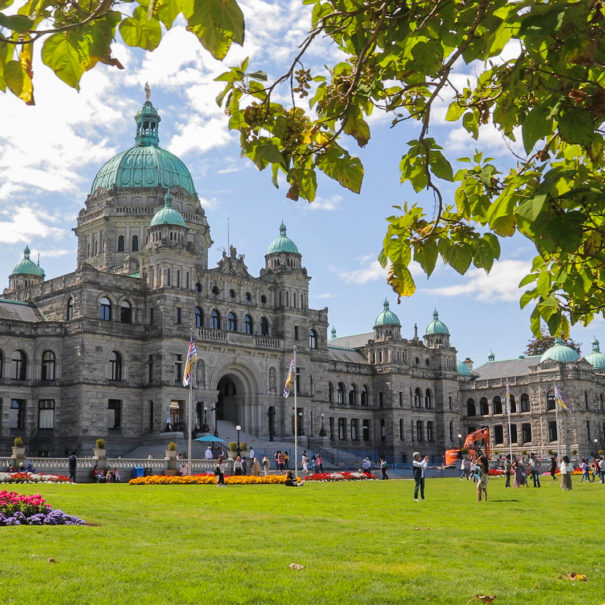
x=475, y=444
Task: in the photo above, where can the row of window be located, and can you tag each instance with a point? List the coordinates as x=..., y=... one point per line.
x=497, y=406
x=18, y=369
x=353, y=395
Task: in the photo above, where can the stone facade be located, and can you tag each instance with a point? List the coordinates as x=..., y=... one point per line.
x=100, y=352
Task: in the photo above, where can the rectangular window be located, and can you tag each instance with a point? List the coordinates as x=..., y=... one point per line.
x=151, y=316
x=16, y=417
x=365, y=430
x=295, y=332
x=46, y=414
x=449, y=399
x=331, y=423
x=419, y=431
x=383, y=430
x=429, y=431
x=380, y=399
x=178, y=368
x=550, y=401
x=151, y=416
x=498, y=434
x=588, y=429
x=513, y=433
x=298, y=381
x=526, y=433
x=400, y=399
x=552, y=430
x=150, y=369
x=401, y=429
x=114, y=414
x=342, y=429
x=354, y=430
x=178, y=278
x=178, y=315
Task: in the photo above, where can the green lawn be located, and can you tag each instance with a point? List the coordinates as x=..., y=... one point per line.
x=365, y=542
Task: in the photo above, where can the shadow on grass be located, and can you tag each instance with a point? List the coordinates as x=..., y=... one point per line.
x=510, y=500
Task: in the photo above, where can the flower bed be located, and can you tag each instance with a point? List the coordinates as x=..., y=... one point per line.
x=344, y=476
x=207, y=479
x=20, y=509
x=33, y=478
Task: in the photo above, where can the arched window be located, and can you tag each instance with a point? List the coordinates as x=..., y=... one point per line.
x=470, y=407
x=428, y=399
x=121, y=243
x=483, y=406
x=312, y=339
x=525, y=406
x=105, y=309
x=417, y=397
x=330, y=392
x=135, y=243
x=340, y=393
x=353, y=395
x=497, y=405
x=231, y=322
x=248, y=325
x=19, y=365
x=513, y=404
x=115, y=366
x=364, y=395
x=69, y=312
x=199, y=317
x=264, y=326
x=419, y=431
x=48, y=365
x=125, y=312
x=215, y=320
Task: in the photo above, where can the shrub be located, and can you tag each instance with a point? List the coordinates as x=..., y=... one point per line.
x=233, y=446
x=100, y=444
x=172, y=446
x=18, y=442
x=574, y=452
x=244, y=445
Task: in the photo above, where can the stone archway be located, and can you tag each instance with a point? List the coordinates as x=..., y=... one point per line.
x=231, y=396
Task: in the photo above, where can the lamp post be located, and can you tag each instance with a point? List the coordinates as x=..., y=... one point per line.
x=459, y=446
x=596, y=448
x=322, y=432
x=215, y=422
x=238, y=428
x=205, y=427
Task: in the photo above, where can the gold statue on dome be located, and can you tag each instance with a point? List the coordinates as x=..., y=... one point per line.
x=147, y=91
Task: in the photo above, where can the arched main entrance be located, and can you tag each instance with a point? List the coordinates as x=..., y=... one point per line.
x=230, y=397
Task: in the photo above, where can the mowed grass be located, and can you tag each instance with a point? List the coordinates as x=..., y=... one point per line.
x=360, y=542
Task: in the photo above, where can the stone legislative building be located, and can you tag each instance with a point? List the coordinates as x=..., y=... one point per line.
x=100, y=352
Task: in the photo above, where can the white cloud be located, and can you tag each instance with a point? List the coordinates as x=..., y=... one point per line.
x=371, y=272
x=329, y=204
x=500, y=284
x=324, y=296
x=23, y=224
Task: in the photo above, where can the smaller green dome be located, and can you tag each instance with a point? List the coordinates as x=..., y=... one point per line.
x=436, y=326
x=167, y=215
x=596, y=359
x=26, y=266
x=462, y=368
x=387, y=317
x=560, y=352
x=283, y=243
x=491, y=357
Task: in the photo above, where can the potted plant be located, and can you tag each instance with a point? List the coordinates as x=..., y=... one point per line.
x=244, y=449
x=232, y=453
x=99, y=449
x=171, y=455
x=601, y=452
x=18, y=449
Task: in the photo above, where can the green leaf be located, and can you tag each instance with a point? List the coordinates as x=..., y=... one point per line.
x=339, y=165
x=536, y=126
x=19, y=81
x=63, y=58
x=577, y=126
x=459, y=257
x=139, y=31
x=16, y=23
x=454, y=112
x=440, y=166
x=426, y=255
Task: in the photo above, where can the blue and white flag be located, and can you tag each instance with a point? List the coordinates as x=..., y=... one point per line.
x=290, y=377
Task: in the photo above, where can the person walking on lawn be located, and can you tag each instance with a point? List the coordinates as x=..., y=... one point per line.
x=419, y=467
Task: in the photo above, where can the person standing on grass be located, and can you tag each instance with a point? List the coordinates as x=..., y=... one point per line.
x=462, y=469
x=483, y=464
x=602, y=469
x=320, y=464
x=265, y=465
x=507, y=470
x=534, y=468
x=383, y=468
x=305, y=462
x=73, y=464
x=286, y=460
x=220, y=473
x=553, y=467
x=419, y=467
x=585, y=471
x=566, y=468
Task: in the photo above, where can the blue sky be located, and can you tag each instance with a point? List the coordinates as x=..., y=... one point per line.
x=50, y=153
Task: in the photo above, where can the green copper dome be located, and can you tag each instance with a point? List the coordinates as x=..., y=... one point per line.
x=167, y=215
x=436, y=326
x=560, y=352
x=283, y=243
x=26, y=266
x=387, y=317
x=596, y=359
x=146, y=164
x=462, y=368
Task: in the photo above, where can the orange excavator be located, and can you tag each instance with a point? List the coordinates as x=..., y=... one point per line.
x=475, y=443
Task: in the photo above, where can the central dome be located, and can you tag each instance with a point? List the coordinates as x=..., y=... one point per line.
x=146, y=164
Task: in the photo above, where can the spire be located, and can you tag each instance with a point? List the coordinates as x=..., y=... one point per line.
x=435, y=315
x=282, y=229
x=168, y=199
x=147, y=119
x=491, y=356
x=595, y=346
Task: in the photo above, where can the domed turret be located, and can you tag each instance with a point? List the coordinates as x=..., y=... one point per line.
x=462, y=368
x=146, y=164
x=282, y=243
x=560, y=353
x=168, y=215
x=596, y=359
x=25, y=273
x=387, y=317
x=436, y=334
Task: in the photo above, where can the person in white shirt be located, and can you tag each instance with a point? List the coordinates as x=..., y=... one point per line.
x=419, y=467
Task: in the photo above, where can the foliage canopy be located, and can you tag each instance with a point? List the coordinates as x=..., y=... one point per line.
x=540, y=80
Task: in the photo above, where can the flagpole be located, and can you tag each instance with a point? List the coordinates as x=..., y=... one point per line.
x=189, y=427
x=510, y=440
x=295, y=422
x=557, y=423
